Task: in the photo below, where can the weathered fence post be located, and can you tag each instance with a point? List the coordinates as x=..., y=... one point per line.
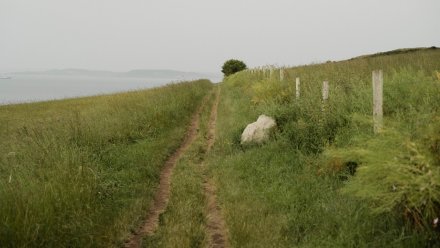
x=377, y=100
x=281, y=74
x=270, y=72
x=297, y=87
x=325, y=91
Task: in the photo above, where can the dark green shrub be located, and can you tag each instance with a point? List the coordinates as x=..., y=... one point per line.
x=232, y=66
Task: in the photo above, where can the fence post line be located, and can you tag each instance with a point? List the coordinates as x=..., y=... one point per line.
x=297, y=87
x=377, y=101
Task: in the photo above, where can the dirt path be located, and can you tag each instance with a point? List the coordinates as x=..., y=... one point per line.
x=216, y=226
x=163, y=193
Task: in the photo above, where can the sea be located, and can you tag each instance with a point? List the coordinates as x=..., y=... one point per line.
x=33, y=88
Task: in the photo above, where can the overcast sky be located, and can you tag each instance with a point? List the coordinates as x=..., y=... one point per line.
x=199, y=35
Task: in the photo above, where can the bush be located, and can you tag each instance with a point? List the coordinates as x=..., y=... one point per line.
x=405, y=180
x=232, y=66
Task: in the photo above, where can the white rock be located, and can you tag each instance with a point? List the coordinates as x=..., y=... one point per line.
x=258, y=131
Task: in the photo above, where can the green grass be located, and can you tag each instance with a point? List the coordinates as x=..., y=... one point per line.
x=183, y=223
x=82, y=172
x=293, y=190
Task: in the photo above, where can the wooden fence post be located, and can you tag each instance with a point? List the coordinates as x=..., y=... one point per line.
x=325, y=89
x=297, y=87
x=377, y=100
x=281, y=74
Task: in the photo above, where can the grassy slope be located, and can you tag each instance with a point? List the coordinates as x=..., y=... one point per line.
x=183, y=223
x=72, y=171
x=284, y=193
x=80, y=172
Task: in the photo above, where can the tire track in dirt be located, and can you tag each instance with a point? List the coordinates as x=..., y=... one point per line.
x=162, y=195
x=216, y=226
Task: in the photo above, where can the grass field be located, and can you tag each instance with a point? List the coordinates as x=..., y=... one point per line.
x=82, y=172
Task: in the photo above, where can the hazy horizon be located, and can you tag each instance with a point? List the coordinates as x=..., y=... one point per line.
x=198, y=36
x=103, y=71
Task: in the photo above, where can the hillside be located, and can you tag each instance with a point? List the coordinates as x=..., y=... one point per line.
x=325, y=179
x=165, y=167
x=82, y=172
x=397, y=51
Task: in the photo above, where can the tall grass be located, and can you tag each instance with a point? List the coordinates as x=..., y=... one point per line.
x=81, y=172
x=309, y=185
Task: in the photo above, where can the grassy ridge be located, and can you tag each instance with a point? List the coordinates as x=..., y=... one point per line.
x=80, y=172
x=296, y=190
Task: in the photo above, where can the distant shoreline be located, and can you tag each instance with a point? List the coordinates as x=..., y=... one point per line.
x=25, y=89
x=138, y=73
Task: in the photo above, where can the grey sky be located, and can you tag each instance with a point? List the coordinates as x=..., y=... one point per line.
x=199, y=35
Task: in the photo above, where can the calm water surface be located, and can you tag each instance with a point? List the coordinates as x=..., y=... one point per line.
x=30, y=88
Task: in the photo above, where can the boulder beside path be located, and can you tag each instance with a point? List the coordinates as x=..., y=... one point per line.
x=259, y=131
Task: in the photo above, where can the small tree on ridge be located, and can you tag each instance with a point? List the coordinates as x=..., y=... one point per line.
x=232, y=66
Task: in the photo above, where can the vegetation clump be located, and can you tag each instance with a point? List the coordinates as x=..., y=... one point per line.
x=233, y=66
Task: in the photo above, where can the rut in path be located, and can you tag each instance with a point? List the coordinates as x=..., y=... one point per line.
x=163, y=193
x=216, y=226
